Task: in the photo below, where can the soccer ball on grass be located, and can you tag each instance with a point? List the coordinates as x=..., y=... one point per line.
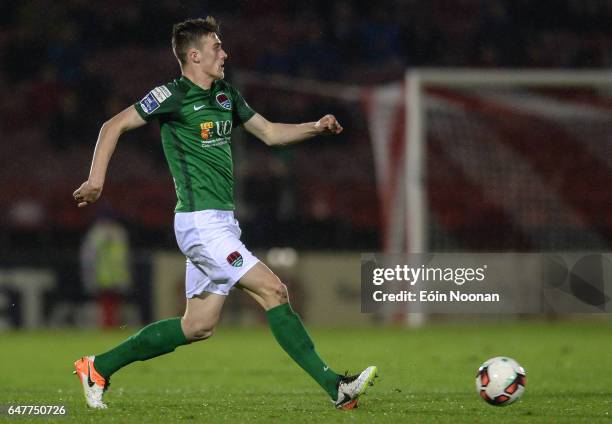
x=500, y=381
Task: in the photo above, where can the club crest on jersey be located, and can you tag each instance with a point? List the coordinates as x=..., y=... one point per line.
x=235, y=259
x=224, y=101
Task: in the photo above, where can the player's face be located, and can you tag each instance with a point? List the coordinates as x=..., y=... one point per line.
x=212, y=57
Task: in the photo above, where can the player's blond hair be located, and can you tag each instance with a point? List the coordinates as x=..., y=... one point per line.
x=187, y=34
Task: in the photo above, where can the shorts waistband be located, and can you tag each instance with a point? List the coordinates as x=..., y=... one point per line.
x=210, y=214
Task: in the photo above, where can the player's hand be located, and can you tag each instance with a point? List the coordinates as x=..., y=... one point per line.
x=328, y=125
x=86, y=194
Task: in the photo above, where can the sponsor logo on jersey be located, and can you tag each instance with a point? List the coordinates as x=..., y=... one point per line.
x=224, y=101
x=235, y=259
x=151, y=102
x=205, y=128
x=215, y=133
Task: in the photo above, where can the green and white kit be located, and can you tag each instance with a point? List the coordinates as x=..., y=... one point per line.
x=196, y=128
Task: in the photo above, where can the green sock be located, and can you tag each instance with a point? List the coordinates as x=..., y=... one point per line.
x=153, y=340
x=290, y=333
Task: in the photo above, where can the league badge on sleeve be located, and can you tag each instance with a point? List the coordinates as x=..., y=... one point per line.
x=149, y=104
x=151, y=101
x=224, y=101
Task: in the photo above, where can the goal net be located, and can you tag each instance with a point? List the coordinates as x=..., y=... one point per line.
x=473, y=160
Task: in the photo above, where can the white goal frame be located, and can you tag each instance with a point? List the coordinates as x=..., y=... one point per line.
x=416, y=81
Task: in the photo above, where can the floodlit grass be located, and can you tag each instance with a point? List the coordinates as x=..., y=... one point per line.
x=242, y=376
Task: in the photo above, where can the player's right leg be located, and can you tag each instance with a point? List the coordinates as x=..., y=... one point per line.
x=198, y=323
x=202, y=315
x=94, y=385
x=161, y=337
x=155, y=339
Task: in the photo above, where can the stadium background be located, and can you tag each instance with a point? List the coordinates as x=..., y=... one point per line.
x=308, y=210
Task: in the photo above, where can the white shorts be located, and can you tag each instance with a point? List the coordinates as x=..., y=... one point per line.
x=216, y=258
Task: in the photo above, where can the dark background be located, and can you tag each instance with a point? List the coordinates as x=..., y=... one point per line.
x=67, y=66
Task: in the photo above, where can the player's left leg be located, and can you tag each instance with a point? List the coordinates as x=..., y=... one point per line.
x=267, y=289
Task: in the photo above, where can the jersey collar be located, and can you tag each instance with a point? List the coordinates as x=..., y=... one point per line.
x=194, y=85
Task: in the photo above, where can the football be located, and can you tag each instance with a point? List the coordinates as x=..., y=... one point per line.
x=500, y=381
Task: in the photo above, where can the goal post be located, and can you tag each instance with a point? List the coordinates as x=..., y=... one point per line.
x=505, y=160
x=562, y=98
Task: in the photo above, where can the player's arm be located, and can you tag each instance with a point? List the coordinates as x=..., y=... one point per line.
x=276, y=134
x=110, y=132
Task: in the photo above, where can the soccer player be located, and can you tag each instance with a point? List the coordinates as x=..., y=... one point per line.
x=197, y=114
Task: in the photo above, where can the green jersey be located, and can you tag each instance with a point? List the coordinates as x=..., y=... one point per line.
x=196, y=129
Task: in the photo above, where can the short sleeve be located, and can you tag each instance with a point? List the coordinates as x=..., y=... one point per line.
x=242, y=112
x=158, y=102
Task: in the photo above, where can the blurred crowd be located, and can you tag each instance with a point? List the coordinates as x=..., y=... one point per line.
x=69, y=65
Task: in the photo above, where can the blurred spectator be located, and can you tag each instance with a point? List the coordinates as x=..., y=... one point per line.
x=105, y=263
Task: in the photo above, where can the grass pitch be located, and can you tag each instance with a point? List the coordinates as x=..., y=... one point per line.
x=240, y=376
